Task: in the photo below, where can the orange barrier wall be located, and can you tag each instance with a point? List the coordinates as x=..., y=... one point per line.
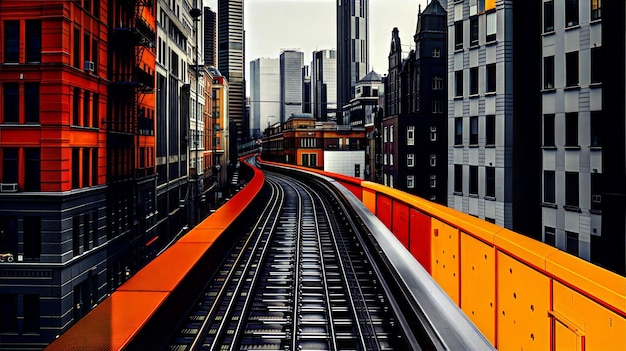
x=521, y=293
x=139, y=313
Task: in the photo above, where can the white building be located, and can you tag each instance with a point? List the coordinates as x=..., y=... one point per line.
x=264, y=94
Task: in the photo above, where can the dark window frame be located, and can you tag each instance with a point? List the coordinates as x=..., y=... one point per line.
x=33, y=40
x=12, y=41
x=548, y=72
x=572, y=67
x=491, y=79
x=549, y=187
x=548, y=129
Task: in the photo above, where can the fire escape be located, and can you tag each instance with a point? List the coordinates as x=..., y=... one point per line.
x=131, y=184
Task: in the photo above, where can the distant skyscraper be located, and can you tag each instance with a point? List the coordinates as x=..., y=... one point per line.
x=306, y=89
x=264, y=94
x=210, y=37
x=291, y=64
x=352, y=48
x=324, y=84
x=231, y=58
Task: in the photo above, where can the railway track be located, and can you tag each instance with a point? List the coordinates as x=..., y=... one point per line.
x=298, y=279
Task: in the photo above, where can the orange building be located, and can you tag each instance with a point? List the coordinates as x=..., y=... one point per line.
x=77, y=158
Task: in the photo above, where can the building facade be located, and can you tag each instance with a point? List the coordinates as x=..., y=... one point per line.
x=231, y=58
x=494, y=112
x=324, y=85
x=291, y=65
x=264, y=94
x=77, y=144
x=352, y=48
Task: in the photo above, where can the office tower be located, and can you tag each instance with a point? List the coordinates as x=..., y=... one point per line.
x=494, y=112
x=352, y=49
x=77, y=177
x=291, y=64
x=231, y=58
x=210, y=37
x=324, y=84
x=264, y=94
x=306, y=89
x=414, y=128
x=583, y=130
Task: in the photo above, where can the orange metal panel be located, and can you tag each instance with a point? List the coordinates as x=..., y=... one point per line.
x=201, y=235
x=112, y=325
x=603, y=285
x=400, y=223
x=526, y=249
x=601, y=328
x=383, y=209
x=445, y=258
x=419, y=238
x=565, y=339
x=369, y=199
x=165, y=272
x=478, y=284
x=523, y=302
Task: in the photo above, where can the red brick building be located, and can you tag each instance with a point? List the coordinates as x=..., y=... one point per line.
x=76, y=158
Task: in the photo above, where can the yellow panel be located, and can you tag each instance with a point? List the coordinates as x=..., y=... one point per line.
x=445, y=258
x=523, y=303
x=490, y=4
x=369, y=199
x=565, y=339
x=478, y=283
x=602, y=328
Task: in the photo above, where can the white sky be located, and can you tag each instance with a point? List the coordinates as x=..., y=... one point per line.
x=308, y=25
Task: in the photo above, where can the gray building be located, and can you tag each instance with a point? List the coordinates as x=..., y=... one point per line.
x=210, y=37
x=352, y=48
x=494, y=112
x=324, y=84
x=291, y=65
x=231, y=58
x=264, y=94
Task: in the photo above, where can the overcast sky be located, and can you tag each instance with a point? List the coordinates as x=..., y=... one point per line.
x=308, y=25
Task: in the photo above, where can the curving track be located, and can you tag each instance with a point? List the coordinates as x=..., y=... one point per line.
x=299, y=279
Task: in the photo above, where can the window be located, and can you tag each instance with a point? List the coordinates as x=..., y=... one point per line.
x=437, y=83
x=433, y=133
x=410, y=135
x=549, y=236
x=8, y=313
x=458, y=83
x=548, y=130
x=85, y=167
x=571, y=13
x=86, y=228
x=596, y=128
x=433, y=160
x=490, y=130
x=76, y=236
x=473, y=81
x=473, y=30
x=548, y=72
x=436, y=52
x=86, y=47
x=571, y=129
x=548, y=187
x=76, y=52
x=32, y=170
x=474, y=130
x=596, y=64
x=32, y=238
x=11, y=41
x=391, y=180
x=458, y=179
x=76, y=107
x=11, y=102
x=31, y=102
x=305, y=160
x=10, y=165
x=33, y=41
x=94, y=55
x=571, y=244
x=31, y=313
x=86, y=108
x=391, y=134
x=437, y=106
x=548, y=16
x=596, y=9
x=391, y=159
x=95, y=111
x=473, y=180
x=75, y=168
x=458, y=131
x=385, y=159
x=410, y=181
x=596, y=191
x=571, y=69
x=410, y=160
x=491, y=27
x=458, y=35
x=490, y=181
x=571, y=189
x=491, y=77
x=385, y=134
x=433, y=182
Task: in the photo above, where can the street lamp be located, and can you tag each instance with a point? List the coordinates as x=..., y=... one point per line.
x=195, y=13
